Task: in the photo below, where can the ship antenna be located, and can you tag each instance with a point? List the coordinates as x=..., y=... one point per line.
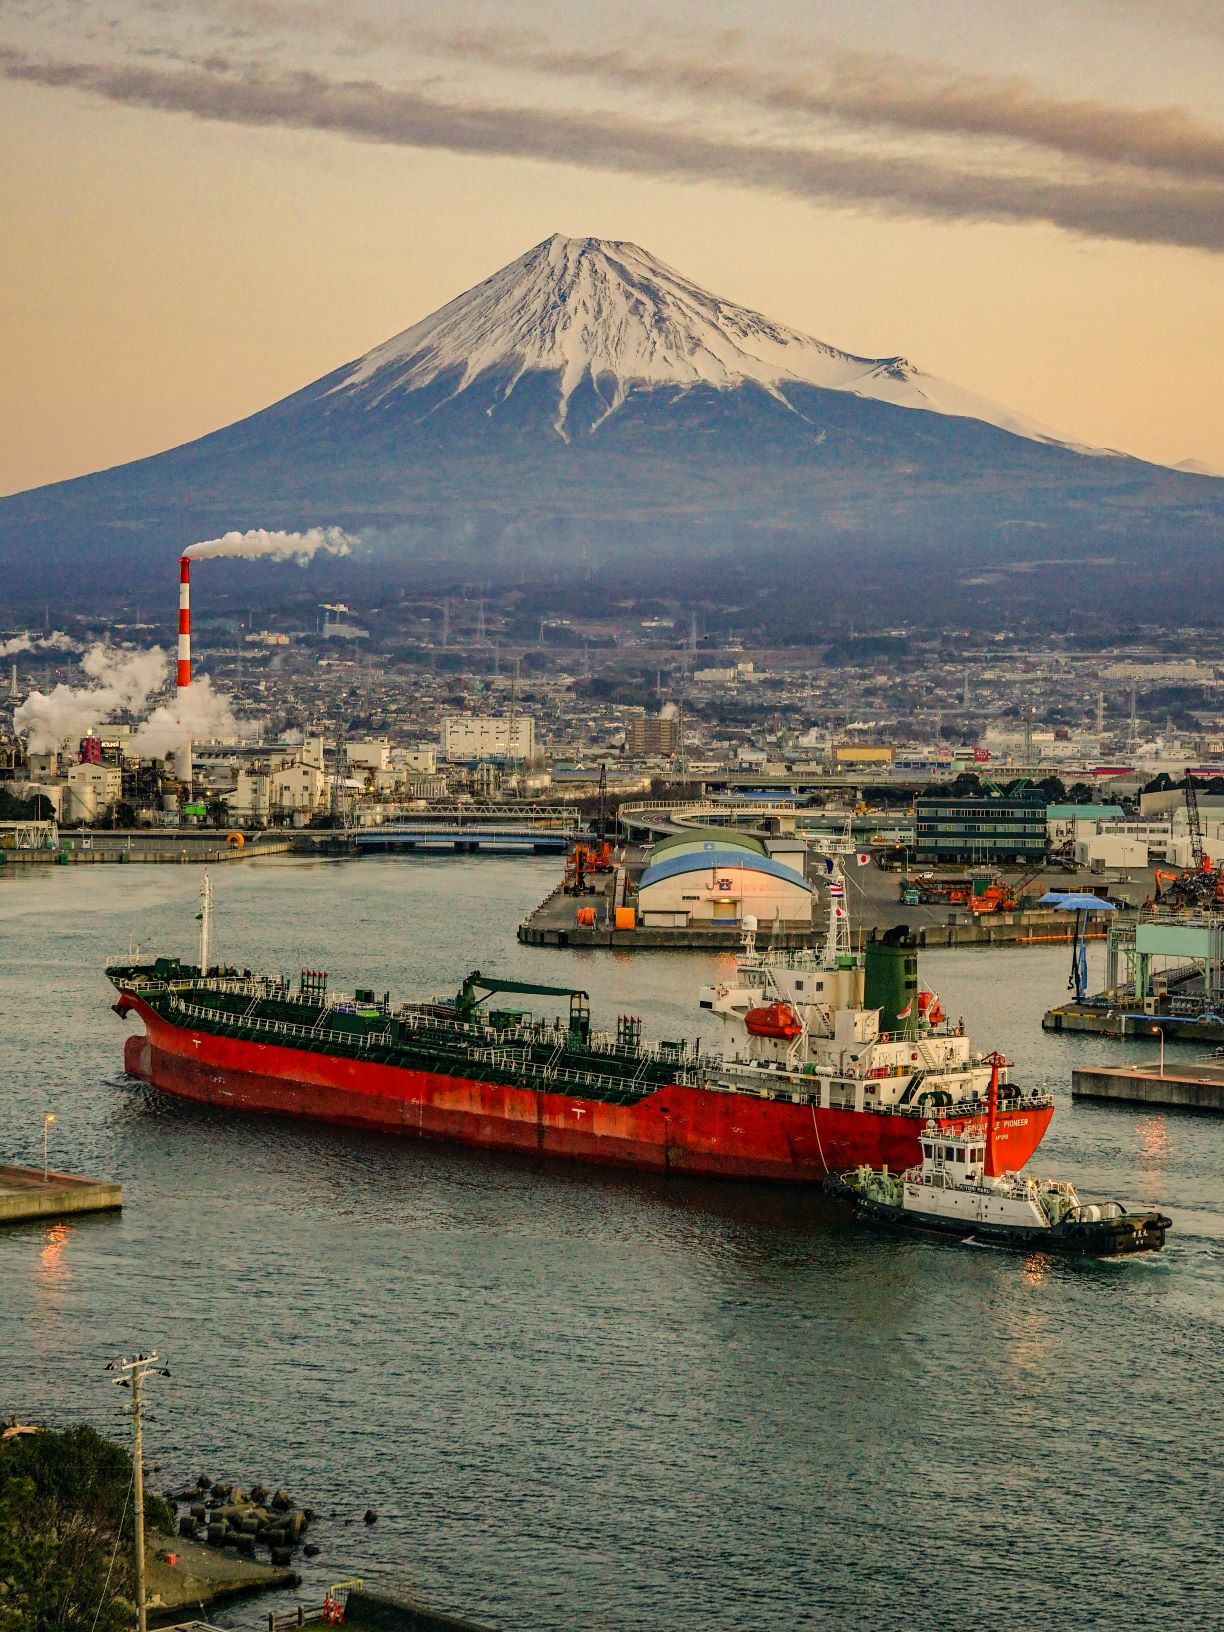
x=206, y=897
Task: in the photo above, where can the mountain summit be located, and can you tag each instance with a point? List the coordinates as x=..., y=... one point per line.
x=586, y=417
x=592, y=309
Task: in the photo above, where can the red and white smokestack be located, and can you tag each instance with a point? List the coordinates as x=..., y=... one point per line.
x=184, y=641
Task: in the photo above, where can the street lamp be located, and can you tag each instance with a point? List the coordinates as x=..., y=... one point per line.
x=48, y=1118
x=1159, y=1031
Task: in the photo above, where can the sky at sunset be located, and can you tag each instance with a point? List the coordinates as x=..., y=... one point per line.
x=209, y=203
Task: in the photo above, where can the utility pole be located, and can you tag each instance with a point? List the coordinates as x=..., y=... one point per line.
x=135, y=1371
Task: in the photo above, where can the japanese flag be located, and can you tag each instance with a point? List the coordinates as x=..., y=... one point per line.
x=904, y=1014
x=862, y=859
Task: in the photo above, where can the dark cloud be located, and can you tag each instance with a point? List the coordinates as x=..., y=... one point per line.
x=887, y=92
x=1129, y=206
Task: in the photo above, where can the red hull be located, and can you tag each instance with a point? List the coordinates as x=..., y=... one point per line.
x=677, y=1129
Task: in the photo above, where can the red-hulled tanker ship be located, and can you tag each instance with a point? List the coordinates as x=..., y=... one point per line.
x=818, y=1086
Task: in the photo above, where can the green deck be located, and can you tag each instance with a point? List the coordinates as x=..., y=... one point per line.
x=502, y=1047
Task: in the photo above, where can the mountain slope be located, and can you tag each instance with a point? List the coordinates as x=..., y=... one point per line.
x=610, y=313
x=588, y=415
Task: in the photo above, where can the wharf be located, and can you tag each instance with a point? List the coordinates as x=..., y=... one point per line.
x=92, y=849
x=554, y=923
x=24, y=1195
x=200, y=1576
x=1097, y=1020
x=1199, y=1088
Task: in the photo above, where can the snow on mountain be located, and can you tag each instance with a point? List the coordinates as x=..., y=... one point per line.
x=579, y=307
x=1196, y=467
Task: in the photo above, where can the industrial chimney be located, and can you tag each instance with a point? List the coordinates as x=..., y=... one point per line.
x=182, y=765
x=184, y=644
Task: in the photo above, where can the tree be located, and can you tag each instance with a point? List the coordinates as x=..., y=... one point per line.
x=66, y=1533
x=218, y=812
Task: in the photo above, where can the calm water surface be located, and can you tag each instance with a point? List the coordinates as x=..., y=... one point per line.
x=584, y=1400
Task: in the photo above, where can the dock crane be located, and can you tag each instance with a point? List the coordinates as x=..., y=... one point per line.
x=1195, y=822
x=1203, y=885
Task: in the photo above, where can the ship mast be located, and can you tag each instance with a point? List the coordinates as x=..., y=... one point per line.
x=206, y=897
x=837, y=939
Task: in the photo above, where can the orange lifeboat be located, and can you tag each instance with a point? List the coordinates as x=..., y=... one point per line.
x=777, y=1020
x=930, y=1008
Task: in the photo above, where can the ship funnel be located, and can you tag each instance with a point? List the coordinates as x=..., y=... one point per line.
x=890, y=980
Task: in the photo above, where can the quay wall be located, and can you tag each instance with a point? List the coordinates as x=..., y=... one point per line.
x=1148, y=1088
x=23, y=1195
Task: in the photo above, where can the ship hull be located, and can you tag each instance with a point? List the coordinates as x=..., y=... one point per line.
x=677, y=1129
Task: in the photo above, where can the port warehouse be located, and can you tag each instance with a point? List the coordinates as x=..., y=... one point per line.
x=718, y=876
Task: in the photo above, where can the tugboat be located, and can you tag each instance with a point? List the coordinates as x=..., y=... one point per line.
x=957, y=1190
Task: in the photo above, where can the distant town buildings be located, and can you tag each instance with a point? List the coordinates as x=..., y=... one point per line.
x=468, y=738
x=651, y=736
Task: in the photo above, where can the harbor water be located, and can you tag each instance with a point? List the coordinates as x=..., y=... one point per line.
x=583, y=1399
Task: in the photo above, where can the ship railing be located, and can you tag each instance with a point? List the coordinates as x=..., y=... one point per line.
x=1039, y=1099
x=508, y=1059
x=282, y=1028
x=421, y=1015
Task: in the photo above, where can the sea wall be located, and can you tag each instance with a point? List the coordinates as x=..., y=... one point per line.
x=393, y=1615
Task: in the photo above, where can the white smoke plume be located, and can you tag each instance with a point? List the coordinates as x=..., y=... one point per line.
x=56, y=641
x=197, y=713
x=276, y=546
x=124, y=683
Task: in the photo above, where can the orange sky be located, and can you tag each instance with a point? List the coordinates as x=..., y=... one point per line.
x=165, y=274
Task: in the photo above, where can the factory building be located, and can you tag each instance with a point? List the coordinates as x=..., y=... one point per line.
x=1009, y=827
x=712, y=876
x=468, y=738
x=90, y=790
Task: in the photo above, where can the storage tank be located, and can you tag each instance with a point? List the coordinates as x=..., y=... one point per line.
x=890, y=979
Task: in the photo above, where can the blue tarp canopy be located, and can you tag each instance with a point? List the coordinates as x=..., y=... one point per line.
x=1075, y=901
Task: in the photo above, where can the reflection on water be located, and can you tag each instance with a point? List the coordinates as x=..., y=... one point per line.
x=1036, y=1267
x=1154, y=1144
x=589, y=1399
x=52, y=1260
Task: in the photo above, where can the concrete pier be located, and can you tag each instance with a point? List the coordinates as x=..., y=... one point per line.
x=1101, y=1022
x=1198, y=1088
x=24, y=1195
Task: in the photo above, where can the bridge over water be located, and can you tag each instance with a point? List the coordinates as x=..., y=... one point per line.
x=509, y=838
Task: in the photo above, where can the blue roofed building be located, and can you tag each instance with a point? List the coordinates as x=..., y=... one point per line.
x=715, y=876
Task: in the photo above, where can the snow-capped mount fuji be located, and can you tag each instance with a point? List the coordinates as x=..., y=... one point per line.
x=609, y=313
x=588, y=417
